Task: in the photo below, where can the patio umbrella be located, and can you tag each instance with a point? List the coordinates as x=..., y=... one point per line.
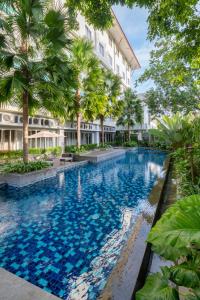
x=44, y=134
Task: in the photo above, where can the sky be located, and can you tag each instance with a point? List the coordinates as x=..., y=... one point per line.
x=134, y=24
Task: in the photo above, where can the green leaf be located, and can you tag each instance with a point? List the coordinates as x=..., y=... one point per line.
x=186, y=274
x=157, y=288
x=178, y=229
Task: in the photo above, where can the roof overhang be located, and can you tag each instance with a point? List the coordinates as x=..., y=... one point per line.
x=122, y=42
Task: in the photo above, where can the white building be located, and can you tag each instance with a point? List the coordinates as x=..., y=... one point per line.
x=114, y=51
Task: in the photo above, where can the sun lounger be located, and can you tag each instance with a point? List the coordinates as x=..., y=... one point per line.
x=66, y=159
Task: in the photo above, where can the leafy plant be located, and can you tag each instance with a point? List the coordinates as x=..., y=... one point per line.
x=83, y=148
x=187, y=174
x=130, y=144
x=16, y=154
x=176, y=237
x=21, y=167
x=33, y=65
x=107, y=103
x=87, y=75
x=132, y=112
x=175, y=130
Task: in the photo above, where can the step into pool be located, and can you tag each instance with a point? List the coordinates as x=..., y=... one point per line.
x=66, y=234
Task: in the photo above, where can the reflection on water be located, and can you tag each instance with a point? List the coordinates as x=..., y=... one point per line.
x=69, y=231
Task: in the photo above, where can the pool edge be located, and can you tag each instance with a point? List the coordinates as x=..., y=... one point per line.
x=124, y=278
x=13, y=287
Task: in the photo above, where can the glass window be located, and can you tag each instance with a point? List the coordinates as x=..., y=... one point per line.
x=101, y=49
x=88, y=32
x=16, y=119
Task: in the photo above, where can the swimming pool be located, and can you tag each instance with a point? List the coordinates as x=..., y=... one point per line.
x=65, y=235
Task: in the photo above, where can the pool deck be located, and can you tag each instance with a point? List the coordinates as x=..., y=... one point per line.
x=13, y=287
x=100, y=155
x=22, y=180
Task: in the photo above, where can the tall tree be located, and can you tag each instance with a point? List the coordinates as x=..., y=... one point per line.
x=132, y=111
x=176, y=83
x=32, y=40
x=87, y=75
x=107, y=99
x=165, y=17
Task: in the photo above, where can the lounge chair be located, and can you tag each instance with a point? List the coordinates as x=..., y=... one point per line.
x=66, y=157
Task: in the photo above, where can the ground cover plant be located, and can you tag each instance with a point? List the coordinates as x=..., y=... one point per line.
x=21, y=167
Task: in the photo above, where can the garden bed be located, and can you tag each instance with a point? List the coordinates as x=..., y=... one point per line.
x=20, y=180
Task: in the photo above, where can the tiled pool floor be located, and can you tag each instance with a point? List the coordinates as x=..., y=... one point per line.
x=65, y=234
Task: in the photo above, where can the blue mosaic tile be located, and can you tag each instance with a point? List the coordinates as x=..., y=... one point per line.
x=66, y=234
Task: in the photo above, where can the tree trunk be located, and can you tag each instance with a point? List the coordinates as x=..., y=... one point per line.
x=78, y=118
x=129, y=133
x=25, y=127
x=102, y=129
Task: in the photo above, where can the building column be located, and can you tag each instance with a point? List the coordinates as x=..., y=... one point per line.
x=61, y=139
x=96, y=138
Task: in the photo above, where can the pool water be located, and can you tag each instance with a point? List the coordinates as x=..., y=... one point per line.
x=65, y=234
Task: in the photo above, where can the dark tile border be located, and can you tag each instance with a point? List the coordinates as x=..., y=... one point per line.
x=130, y=271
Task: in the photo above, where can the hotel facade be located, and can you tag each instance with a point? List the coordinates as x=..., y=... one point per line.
x=115, y=53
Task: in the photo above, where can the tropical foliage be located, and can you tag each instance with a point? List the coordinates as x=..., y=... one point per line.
x=171, y=130
x=21, y=167
x=107, y=99
x=18, y=154
x=87, y=77
x=176, y=237
x=176, y=82
x=132, y=111
x=33, y=68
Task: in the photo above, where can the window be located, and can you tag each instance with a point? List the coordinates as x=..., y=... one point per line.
x=88, y=32
x=110, y=41
x=123, y=75
x=16, y=119
x=117, y=69
x=110, y=60
x=101, y=49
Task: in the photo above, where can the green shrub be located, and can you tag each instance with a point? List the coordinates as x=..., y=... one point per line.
x=187, y=170
x=130, y=144
x=83, y=148
x=54, y=150
x=36, y=151
x=21, y=167
x=16, y=154
x=176, y=237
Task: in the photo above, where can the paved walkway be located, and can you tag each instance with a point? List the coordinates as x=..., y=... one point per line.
x=16, y=288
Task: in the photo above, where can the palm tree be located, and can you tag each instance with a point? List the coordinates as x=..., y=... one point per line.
x=176, y=130
x=108, y=104
x=132, y=111
x=32, y=40
x=87, y=75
